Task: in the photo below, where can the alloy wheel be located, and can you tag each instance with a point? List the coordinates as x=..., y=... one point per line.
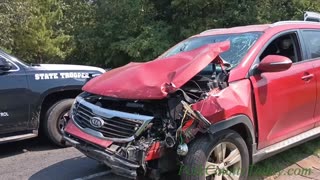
x=224, y=162
x=63, y=120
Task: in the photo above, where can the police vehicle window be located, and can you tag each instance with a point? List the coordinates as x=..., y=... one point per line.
x=285, y=45
x=312, y=39
x=14, y=67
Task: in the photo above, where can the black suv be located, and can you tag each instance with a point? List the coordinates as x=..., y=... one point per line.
x=38, y=97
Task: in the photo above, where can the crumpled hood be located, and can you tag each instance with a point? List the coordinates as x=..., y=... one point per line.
x=155, y=79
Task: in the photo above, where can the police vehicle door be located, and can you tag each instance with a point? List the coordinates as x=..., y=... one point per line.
x=14, y=106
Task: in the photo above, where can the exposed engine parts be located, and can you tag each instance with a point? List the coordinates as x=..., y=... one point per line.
x=182, y=149
x=170, y=141
x=174, y=122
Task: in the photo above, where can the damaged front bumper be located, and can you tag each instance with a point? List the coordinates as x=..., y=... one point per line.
x=118, y=165
x=100, y=150
x=106, y=152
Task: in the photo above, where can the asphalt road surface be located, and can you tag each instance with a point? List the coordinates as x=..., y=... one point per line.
x=38, y=160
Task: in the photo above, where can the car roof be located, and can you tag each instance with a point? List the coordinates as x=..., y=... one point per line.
x=260, y=28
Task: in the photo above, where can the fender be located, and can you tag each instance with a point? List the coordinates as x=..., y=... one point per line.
x=55, y=90
x=59, y=89
x=37, y=107
x=235, y=120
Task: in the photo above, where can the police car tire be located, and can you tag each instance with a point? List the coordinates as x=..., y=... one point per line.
x=51, y=121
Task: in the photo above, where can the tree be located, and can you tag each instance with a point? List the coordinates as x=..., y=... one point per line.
x=43, y=39
x=113, y=33
x=13, y=16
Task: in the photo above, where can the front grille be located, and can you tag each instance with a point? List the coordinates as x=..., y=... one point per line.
x=114, y=127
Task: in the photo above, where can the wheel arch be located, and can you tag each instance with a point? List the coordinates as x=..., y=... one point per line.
x=54, y=96
x=242, y=125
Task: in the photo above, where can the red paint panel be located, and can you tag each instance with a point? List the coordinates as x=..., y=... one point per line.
x=233, y=100
x=155, y=151
x=150, y=80
x=285, y=103
x=317, y=77
x=75, y=131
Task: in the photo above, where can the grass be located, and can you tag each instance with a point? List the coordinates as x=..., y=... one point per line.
x=275, y=165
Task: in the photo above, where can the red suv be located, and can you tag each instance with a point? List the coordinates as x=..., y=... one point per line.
x=212, y=105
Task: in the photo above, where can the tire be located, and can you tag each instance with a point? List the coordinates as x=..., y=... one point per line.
x=205, y=149
x=52, y=128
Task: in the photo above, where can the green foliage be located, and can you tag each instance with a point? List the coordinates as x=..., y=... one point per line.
x=113, y=33
x=13, y=17
x=44, y=35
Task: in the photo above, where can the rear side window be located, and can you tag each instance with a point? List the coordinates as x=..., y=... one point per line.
x=312, y=40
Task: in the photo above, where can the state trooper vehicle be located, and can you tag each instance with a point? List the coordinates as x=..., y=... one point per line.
x=37, y=98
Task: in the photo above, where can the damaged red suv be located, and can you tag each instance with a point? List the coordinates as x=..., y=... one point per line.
x=208, y=107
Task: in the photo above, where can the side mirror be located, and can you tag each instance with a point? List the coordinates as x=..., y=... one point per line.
x=274, y=63
x=4, y=65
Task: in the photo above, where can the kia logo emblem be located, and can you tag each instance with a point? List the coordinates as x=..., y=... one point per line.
x=96, y=122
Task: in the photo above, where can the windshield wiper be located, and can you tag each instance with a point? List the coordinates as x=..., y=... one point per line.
x=182, y=49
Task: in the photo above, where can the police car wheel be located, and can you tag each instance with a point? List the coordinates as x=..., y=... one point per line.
x=55, y=120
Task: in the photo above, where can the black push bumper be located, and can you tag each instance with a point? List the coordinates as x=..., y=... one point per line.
x=118, y=165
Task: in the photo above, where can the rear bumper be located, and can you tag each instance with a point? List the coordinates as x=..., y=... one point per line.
x=118, y=164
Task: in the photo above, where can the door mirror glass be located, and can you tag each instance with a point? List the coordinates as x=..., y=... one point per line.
x=274, y=63
x=4, y=65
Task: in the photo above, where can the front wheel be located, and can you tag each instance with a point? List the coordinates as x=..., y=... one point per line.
x=55, y=121
x=223, y=156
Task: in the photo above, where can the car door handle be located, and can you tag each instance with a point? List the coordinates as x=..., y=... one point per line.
x=307, y=77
